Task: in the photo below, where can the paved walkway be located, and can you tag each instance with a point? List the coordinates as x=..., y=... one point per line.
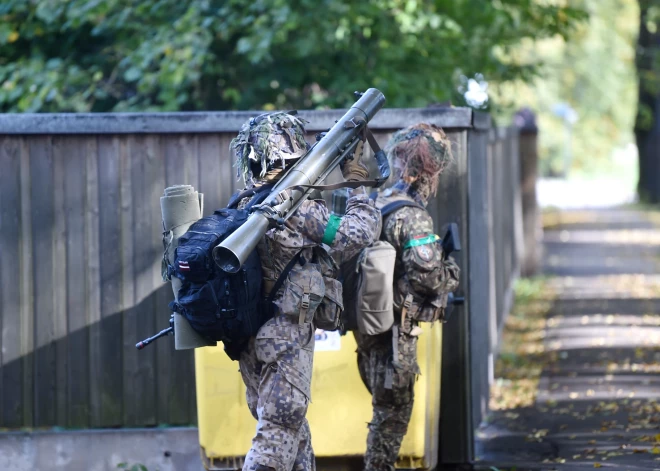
x=581, y=387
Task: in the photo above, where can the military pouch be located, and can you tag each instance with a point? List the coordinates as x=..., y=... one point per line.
x=373, y=296
x=327, y=315
x=420, y=309
x=433, y=310
x=302, y=293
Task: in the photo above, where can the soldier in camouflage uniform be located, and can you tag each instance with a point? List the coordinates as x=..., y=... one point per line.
x=277, y=364
x=423, y=279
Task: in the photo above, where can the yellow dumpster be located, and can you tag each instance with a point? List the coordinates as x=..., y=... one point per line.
x=338, y=414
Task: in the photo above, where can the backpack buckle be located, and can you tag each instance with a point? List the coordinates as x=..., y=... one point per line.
x=305, y=301
x=408, y=301
x=223, y=312
x=304, y=306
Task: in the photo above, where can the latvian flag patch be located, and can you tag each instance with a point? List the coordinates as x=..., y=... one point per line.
x=183, y=266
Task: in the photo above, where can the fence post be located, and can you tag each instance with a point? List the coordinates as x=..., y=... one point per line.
x=525, y=120
x=466, y=337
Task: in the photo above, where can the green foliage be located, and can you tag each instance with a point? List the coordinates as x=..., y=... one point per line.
x=648, y=63
x=594, y=72
x=113, y=55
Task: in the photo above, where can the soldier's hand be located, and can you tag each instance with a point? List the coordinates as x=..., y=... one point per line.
x=355, y=170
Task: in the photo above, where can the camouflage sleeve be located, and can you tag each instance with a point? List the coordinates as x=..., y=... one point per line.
x=427, y=273
x=357, y=229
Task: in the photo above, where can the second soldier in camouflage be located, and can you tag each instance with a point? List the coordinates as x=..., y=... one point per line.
x=423, y=278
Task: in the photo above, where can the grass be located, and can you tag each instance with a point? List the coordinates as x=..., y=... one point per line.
x=523, y=355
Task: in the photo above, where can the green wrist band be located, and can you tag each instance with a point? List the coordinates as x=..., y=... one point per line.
x=430, y=239
x=331, y=229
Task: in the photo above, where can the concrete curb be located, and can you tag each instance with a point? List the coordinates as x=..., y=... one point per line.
x=159, y=449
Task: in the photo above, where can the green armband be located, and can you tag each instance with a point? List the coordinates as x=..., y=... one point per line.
x=429, y=239
x=331, y=229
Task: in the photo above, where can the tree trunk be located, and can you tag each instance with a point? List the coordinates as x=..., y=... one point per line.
x=647, y=124
x=530, y=264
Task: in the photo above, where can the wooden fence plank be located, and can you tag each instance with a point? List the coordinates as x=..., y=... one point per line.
x=129, y=335
x=78, y=338
x=60, y=181
x=182, y=164
x=220, y=121
x=27, y=287
x=144, y=152
x=45, y=387
x=174, y=163
x=478, y=276
x=161, y=291
x=189, y=152
x=214, y=179
x=110, y=252
x=93, y=281
x=228, y=172
x=11, y=378
x=185, y=369
x=164, y=353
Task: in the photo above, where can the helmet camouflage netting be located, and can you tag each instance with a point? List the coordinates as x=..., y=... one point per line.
x=420, y=152
x=266, y=140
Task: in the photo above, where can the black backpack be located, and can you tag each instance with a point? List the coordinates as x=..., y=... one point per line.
x=220, y=306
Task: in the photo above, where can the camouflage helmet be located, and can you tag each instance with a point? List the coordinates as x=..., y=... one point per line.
x=418, y=154
x=265, y=141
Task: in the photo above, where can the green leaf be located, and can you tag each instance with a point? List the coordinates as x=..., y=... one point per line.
x=132, y=74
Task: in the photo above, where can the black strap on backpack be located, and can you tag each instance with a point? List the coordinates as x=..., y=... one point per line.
x=261, y=193
x=267, y=306
x=282, y=278
x=393, y=206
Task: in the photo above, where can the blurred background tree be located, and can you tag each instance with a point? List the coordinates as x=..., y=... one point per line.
x=647, y=131
x=163, y=55
x=594, y=74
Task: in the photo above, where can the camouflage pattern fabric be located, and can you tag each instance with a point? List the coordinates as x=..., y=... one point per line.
x=390, y=377
x=418, y=270
x=277, y=365
x=277, y=368
x=304, y=231
x=392, y=406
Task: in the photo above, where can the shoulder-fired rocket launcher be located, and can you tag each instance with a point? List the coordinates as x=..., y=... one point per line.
x=322, y=158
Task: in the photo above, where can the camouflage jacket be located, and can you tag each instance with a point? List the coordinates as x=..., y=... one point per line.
x=419, y=270
x=316, y=273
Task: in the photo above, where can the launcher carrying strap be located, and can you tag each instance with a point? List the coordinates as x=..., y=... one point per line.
x=379, y=155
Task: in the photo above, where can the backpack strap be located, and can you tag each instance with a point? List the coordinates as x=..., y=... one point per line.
x=285, y=273
x=393, y=206
x=260, y=191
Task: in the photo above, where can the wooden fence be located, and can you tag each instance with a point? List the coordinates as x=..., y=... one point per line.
x=80, y=254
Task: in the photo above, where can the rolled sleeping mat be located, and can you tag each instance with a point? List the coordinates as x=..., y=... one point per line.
x=181, y=206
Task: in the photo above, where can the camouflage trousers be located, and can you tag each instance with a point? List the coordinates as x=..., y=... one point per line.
x=390, y=379
x=277, y=371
